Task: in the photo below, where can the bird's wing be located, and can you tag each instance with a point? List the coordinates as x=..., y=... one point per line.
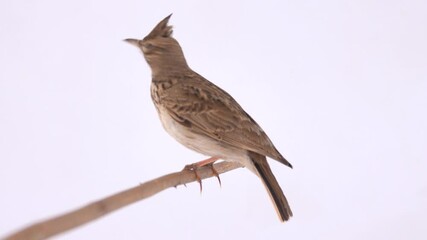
x=209, y=110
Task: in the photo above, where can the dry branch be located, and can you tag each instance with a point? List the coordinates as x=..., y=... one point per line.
x=83, y=215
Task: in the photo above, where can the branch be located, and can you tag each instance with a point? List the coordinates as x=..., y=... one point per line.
x=83, y=215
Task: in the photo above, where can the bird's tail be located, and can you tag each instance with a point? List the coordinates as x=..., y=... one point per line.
x=276, y=194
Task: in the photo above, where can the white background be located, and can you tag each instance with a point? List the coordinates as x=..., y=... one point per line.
x=339, y=86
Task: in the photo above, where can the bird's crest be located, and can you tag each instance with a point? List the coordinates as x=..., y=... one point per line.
x=161, y=30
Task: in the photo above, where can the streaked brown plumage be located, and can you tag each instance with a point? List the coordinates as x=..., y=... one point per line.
x=205, y=118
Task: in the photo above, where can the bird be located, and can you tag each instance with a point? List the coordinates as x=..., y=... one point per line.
x=205, y=118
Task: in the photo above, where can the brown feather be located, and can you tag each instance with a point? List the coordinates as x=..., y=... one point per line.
x=276, y=194
x=161, y=29
x=203, y=117
x=213, y=112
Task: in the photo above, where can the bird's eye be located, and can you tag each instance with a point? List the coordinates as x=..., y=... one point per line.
x=147, y=47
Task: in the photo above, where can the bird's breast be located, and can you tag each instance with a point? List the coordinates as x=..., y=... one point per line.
x=155, y=94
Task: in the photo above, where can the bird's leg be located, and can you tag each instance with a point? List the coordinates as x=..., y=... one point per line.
x=207, y=162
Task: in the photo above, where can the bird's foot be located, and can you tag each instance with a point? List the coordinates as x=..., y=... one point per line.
x=211, y=165
x=193, y=168
x=207, y=162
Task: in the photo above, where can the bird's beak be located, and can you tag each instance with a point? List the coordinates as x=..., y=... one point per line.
x=132, y=41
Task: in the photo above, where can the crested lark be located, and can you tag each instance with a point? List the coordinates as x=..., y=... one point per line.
x=205, y=118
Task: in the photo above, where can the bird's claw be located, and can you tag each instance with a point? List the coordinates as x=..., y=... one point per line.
x=193, y=168
x=215, y=173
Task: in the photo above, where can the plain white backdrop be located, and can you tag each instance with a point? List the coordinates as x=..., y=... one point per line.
x=339, y=86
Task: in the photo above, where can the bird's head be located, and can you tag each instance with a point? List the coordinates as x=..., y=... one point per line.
x=161, y=51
